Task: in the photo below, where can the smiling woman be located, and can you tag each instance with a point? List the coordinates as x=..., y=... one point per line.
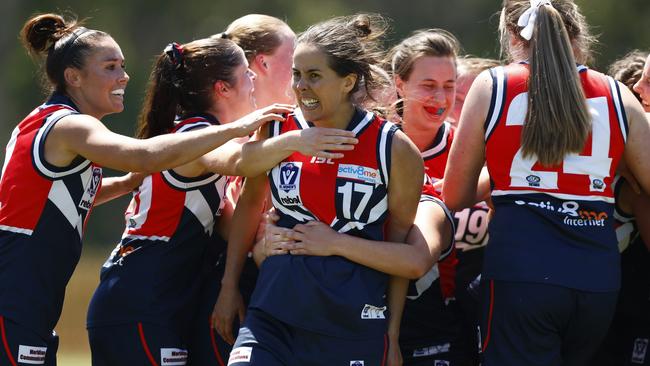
x=52, y=175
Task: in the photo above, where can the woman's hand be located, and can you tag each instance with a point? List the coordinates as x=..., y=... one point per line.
x=314, y=238
x=229, y=304
x=276, y=239
x=320, y=141
x=252, y=121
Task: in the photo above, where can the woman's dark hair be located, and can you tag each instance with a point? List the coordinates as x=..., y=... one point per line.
x=352, y=45
x=628, y=69
x=64, y=42
x=182, y=81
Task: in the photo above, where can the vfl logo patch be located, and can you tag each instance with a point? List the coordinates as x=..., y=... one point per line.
x=373, y=312
x=357, y=363
x=289, y=183
x=240, y=354
x=359, y=173
x=640, y=350
x=91, y=189
x=31, y=355
x=289, y=173
x=173, y=357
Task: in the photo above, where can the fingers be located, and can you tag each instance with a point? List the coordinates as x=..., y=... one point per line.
x=328, y=155
x=269, y=117
x=323, y=147
x=336, y=132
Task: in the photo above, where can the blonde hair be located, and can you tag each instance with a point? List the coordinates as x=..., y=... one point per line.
x=257, y=34
x=558, y=121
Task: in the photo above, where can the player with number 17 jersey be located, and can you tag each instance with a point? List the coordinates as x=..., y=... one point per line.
x=574, y=199
x=351, y=195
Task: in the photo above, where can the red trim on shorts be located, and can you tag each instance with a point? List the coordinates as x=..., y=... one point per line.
x=213, y=341
x=383, y=360
x=145, y=346
x=5, y=343
x=489, y=322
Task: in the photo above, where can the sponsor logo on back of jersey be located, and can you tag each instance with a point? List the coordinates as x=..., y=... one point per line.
x=31, y=355
x=173, y=357
x=373, y=312
x=359, y=173
x=574, y=215
x=640, y=350
x=240, y=354
x=432, y=350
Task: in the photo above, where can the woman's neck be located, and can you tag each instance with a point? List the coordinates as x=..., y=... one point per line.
x=340, y=119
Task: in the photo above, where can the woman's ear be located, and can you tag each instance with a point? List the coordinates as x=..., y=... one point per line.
x=72, y=77
x=221, y=89
x=349, y=81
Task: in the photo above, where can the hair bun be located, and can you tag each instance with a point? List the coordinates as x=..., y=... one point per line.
x=361, y=25
x=41, y=31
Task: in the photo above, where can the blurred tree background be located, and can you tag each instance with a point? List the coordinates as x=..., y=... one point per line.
x=144, y=27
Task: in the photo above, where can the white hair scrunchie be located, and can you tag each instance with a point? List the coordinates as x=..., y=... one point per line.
x=527, y=19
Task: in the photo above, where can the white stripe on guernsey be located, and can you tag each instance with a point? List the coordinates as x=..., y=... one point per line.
x=498, y=101
x=441, y=145
x=300, y=118
x=145, y=191
x=192, y=125
x=276, y=128
x=364, y=122
x=424, y=283
x=617, y=106
x=61, y=198
x=16, y=230
x=188, y=185
x=10, y=148
x=296, y=215
x=143, y=237
x=39, y=140
x=196, y=203
x=383, y=141
x=379, y=209
x=517, y=110
x=352, y=225
x=556, y=195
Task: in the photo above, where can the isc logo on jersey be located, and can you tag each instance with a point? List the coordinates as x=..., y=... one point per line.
x=359, y=173
x=289, y=183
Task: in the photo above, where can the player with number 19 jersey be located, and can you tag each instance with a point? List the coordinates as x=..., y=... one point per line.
x=330, y=295
x=554, y=225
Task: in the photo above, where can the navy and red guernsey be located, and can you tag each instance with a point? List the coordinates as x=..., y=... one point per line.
x=554, y=225
x=153, y=275
x=43, y=210
x=330, y=295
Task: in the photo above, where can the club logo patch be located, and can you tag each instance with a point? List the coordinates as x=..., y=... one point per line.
x=92, y=186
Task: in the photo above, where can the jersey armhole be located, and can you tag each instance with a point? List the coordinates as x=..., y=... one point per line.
x=496, y=101
x=450, y=218
x=618, y=106
x=387, y=131
x=44, y=168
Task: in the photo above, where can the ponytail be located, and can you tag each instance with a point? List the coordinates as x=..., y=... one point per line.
x=558, y=121
x=182, y=82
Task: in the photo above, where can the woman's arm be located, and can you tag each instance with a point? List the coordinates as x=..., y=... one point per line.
x=467, y=155
x=637, y=154
x=86, y=136
x=114, y=187
x=245, y=221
